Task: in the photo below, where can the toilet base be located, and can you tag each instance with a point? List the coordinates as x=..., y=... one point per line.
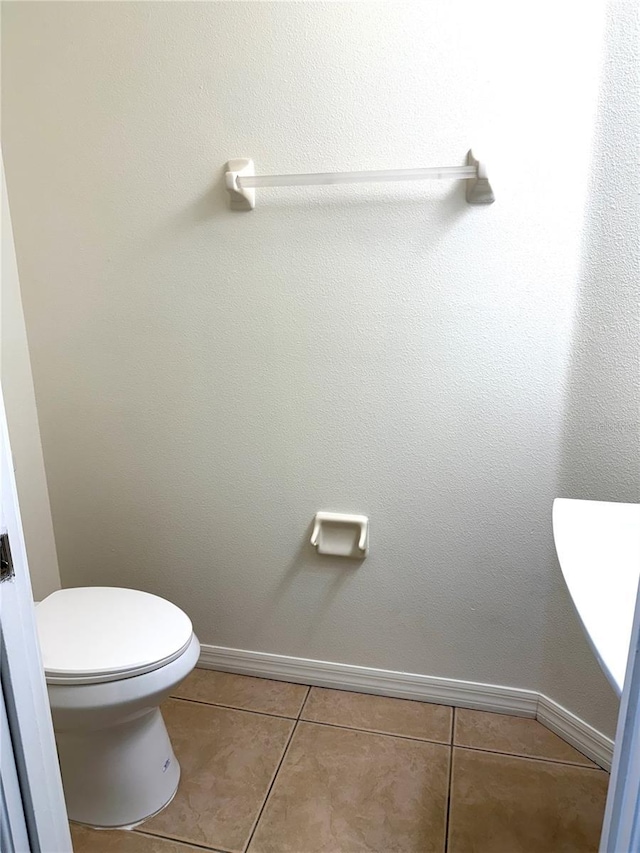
x=128, y=826
x=118, y=776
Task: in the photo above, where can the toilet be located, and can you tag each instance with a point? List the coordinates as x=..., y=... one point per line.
x=111, y=656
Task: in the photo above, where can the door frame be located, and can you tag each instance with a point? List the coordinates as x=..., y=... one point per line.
x=13, y=825
x=621, y=827
x=23, y=683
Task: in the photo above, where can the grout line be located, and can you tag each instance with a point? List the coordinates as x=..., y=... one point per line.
x=454, y=745
x=187, y=844
x=248, y=675
x=372, y=732
x=393, y=734
x=273, y=782
x=304, y=702
x=449, y=780
x=232, y=708
x=537, y=758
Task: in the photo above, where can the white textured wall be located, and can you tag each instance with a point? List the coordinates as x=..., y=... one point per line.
x=600, y=451
x=22, y=422
x=206, y=381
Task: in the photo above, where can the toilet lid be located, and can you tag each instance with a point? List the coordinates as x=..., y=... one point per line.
x=94, y=634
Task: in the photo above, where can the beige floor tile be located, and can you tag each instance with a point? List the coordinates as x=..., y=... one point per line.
x=513, y=735
x=379, y=714
x=228, y=760
x=115, y=841
x=342, y=791
x=242, y=691
x=503, y=804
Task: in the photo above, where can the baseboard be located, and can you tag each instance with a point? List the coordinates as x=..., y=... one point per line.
x=595, y=745
x=364, y=679
x=423, y=688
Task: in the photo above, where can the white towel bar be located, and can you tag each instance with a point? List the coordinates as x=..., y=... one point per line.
x=241, y=180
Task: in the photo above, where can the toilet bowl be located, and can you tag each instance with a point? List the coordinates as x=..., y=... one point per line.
x=111, y=656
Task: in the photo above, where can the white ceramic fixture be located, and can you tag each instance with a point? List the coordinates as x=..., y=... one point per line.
x=341, y=534
x=111, y=656
x=241, y=180
x=598, y=546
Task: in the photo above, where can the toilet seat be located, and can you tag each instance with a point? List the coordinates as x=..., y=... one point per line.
x=90, y=635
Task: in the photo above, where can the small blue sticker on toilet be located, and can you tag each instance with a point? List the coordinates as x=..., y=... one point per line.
x=166, y=765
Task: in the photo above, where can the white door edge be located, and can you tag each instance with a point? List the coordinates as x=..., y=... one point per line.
x=23, y=682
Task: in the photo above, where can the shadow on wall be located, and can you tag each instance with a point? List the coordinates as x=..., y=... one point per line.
x=599, y=453
x=322, y=579
x=600, y=458
x=445, y=209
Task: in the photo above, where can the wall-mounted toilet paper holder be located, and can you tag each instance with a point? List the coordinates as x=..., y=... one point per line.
x=341, y=534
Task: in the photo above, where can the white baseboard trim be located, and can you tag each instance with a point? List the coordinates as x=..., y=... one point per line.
x=364, y=679
x=595, y=745
x=423, y=688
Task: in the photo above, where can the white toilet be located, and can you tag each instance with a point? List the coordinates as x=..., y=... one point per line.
x=111, y=656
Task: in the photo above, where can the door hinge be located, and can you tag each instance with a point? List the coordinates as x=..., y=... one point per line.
x=6, y=563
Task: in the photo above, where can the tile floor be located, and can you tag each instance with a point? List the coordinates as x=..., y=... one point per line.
x=271, y=767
